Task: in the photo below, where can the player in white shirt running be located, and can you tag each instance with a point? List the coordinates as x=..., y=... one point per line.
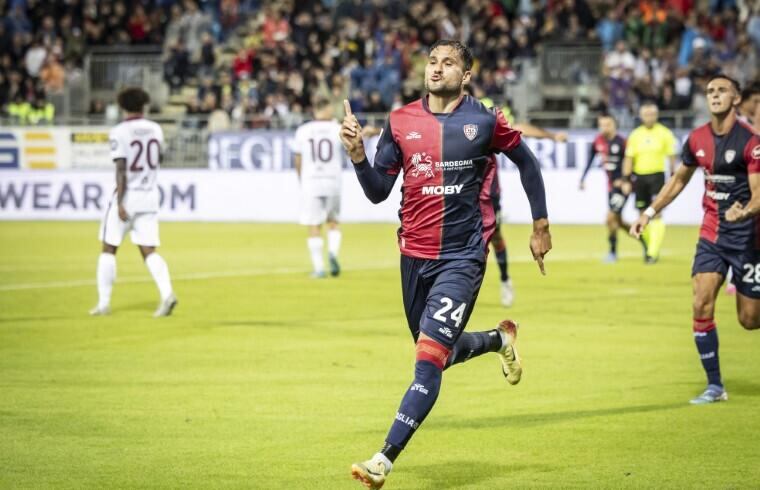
x=136, y=149
x=319, y=160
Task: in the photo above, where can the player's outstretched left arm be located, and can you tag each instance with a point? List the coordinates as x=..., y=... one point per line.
x=737, y=212
x=531, y=131
x=668, y=193
x=533, y=183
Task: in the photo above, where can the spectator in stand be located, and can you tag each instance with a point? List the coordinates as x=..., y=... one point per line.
x=194, y=23
x=47, y=33
x=618, y=68
x=753, y=27
x=610, y=30
x=242, y=65
x=34, y=58
x=53, y=75
x=177, y=66
x=174, y=28
x=139, y=25
x=17, y=21
x=276, y=28
x=375, y=103
x=207, y=55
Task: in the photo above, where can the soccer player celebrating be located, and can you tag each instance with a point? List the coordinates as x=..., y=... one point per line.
x=444, y=145
x=729, y=154
x=648, y=147
x=136, y=147
x=610, y=147
x=319, y=160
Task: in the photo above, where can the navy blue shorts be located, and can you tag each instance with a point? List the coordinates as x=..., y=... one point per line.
x=439, y=296
x=744, y=265
x=616, y=200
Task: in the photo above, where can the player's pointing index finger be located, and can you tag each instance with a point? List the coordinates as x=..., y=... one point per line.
x=347, y=107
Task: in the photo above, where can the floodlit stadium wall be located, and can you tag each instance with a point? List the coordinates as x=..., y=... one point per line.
x=65, y=174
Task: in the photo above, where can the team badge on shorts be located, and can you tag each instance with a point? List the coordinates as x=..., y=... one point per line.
x=470, y=131
x=729, y=155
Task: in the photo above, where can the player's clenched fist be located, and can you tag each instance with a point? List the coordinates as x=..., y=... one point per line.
x=351, y=135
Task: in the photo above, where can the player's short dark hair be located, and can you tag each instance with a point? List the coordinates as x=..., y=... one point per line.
x=723, y=76
x=750, y=90
x=464, y=51
x=133, y=99
x=607, y=115
x=320, y=103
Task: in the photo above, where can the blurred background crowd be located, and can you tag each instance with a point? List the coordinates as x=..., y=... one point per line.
x=243, y=60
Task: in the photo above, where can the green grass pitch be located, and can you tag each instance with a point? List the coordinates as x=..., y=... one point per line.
x=265, y=378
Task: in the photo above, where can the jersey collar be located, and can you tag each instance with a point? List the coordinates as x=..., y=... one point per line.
x=444, y=114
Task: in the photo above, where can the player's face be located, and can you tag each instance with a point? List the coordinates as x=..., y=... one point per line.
x=721, y=96
x=607, y=127
x=444, y=72
x=648, y=115
x=749, y=107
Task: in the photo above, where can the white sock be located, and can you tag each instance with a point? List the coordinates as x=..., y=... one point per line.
x=315, y=244
x=383, y=459
x=106, y=277
x=160, y=272
x=333, y=242
x=504, y=340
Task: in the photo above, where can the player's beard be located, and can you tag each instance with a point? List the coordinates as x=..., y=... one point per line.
x=444, y=90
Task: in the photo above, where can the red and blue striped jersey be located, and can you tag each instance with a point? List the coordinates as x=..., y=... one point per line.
x=727, y=161
x=448, y=169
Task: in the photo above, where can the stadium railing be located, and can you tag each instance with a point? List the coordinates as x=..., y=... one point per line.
x=107, y=69
x=566, y=65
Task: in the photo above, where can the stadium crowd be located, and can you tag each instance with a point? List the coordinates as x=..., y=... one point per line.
x=240, y=58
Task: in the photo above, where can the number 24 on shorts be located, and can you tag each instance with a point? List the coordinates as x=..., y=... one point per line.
x=456, y=315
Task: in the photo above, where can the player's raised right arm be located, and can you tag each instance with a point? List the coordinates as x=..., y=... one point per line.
x=376, y=181
x=351, y=135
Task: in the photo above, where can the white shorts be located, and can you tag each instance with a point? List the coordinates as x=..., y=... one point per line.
x=316, y=210
x=142, y=228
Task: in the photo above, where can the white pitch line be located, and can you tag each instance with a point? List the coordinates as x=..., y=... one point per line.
x=197, y=276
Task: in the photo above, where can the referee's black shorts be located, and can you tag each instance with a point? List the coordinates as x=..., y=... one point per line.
x=646, y=187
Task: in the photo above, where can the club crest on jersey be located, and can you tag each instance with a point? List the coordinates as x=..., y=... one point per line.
x=729, y=156
x=756, y=152
x=422, y=164
x=470, y=131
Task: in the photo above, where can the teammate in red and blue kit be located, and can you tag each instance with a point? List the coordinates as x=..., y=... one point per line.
x=728, y=151
x=609, y=146
x=444, y=145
